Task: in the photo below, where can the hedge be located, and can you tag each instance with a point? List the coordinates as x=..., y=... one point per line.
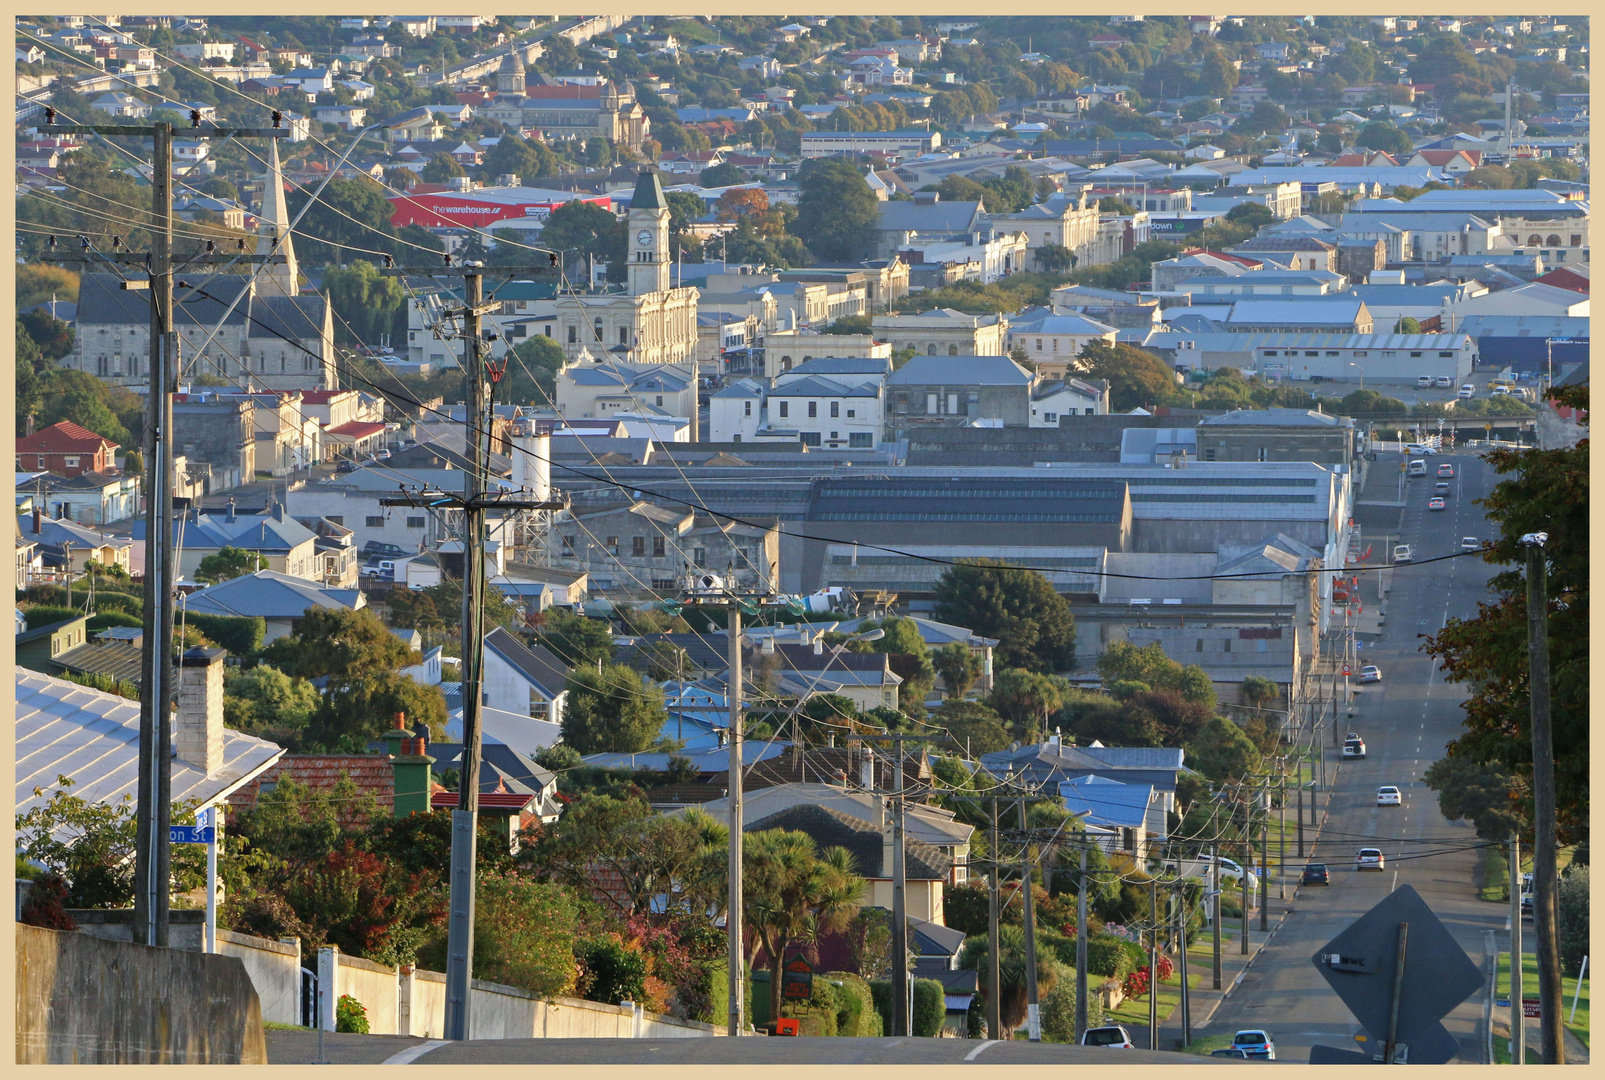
x=930, y=1006
x=46, y=615
x=240, y=635
x=1107, y=956
x=856, y=1015
x=108, y=619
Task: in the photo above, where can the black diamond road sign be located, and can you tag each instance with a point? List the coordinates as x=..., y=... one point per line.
x=1438, y=975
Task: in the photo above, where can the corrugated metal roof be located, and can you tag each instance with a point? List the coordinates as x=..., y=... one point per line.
x=270, y=595
x=960, y=371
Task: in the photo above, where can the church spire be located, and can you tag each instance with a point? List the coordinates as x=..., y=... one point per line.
x=273, y=222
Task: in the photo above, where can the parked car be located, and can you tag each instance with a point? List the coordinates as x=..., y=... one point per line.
x=1354, y=748
x=1315, y=874
x=1401, y=553
x=1466, y=391
x=1114, y=1036
x=374, y=549
x=383, y=455
x=1443, y=382
x=1388, y=795
x=1526, y=905
x=1470, y=543
x=346, y=466
x=1370, y=673
x=1436, y=504
x=1446, y=469
x=1369, y=858
x=1255, y=1043
x=1423, y=381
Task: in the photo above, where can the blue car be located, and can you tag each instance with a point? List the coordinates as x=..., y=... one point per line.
x=1255, y=1043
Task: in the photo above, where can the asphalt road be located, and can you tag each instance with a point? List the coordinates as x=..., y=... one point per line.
x=1405, y=720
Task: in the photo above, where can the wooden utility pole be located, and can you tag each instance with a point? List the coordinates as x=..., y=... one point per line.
x=158, y=684
x=1518, y=1034
x=994, y=1012
x=1081, y=946
x=1545, y=884
x=902, y=1021
x=474, y=502
x=1153, y=963
x=1033, y=1010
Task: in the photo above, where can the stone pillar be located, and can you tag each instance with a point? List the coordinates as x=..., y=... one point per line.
x=328, y=985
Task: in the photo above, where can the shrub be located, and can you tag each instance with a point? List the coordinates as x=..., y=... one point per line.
x=46, y=615
x=46, y=903
x=107, y=619
x=1136, y=983
x=856, y=1015
x=1107, y=956
x=241, y=636
x=614, y=971
x=1059, y=1010
x=1572, y=923
x=930, y=1008
x=819, y=1016
x=350, y=1015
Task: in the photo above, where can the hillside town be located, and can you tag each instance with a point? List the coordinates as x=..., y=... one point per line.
x=480, y=480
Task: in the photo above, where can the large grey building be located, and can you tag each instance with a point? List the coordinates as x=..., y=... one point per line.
x=1277, y=435
x=957, y=390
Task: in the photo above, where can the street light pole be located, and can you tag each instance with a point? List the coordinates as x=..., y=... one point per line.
x=1544, y=877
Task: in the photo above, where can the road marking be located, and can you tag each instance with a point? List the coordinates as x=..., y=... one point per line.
x=413, y=1053
x=973, y=1054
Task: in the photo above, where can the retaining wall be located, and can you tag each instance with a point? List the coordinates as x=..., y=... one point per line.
x=274, y=968
x=87, y=999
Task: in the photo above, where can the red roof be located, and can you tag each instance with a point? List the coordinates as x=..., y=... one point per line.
x=357, y=429
x=370, y=772
x=64, y=436
x=488, y=800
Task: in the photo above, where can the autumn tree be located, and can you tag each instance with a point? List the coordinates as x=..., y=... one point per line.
x=1544, y=491
x=1137, y=377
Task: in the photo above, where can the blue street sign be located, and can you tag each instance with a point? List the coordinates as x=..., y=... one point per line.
x=191, y=834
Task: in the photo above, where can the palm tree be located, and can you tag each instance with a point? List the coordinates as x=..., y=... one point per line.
x=794, y=893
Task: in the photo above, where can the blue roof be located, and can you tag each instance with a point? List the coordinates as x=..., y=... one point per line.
x=269, y=595
x=1107, y=802
x=960, y=371
x=712, y=760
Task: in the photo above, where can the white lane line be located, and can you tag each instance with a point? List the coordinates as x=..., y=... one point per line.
x=413, y=1053
x=973, y=1054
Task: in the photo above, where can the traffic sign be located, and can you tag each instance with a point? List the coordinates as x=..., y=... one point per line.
x=797, y=980
x=1438, y=975
x=191, y=834
x=1345, y=669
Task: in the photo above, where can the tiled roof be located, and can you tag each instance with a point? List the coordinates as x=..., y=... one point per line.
x=371, y=774
x=64, y=436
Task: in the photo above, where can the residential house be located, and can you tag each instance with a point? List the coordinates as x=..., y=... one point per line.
x=1121, y=807
x=1052, y=341
x=91, y=498
x=645, y=549
x=523, y=680
x=867, y=679
x=826, y=412
x=66, y=449
x=278, y=598
x=586, y=389
x=1054, y=403
x=64, y=546
x=289, y=547
x=958, y=390
x=937, y=634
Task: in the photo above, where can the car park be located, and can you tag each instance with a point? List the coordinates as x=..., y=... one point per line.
x=1370, y=673
x=1446, y=469
x=1114, y=1036
x=1401, y=553
x=1369, y=858
x=1470, y=543
x=1388, y=795
x=1436, y=504
x=1315, y=874
x=1255, y=1042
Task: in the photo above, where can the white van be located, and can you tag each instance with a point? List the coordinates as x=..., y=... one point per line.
x=1418, y=467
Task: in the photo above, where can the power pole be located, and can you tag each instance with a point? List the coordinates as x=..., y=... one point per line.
x=1248, y=864
x=158, y=684
x=474, y=502
x=1265, y=864
x=1153, y=963
x=1518, y=1034
x=1181, y=948
x=1550, y=996
x=710, y=591
x=1214, y=904
x=902, y=1022
x=994, y=1012
x=1081, y=945
x=1281, y=832
x=1033, y=1010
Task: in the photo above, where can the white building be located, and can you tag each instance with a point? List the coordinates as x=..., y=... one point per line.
x=1052, y=402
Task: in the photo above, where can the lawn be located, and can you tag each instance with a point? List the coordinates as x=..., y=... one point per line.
x=1529, y=988
x=1204, y=1047
x=1135, y=1010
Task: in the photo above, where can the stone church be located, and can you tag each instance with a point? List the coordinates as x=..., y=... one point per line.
x=274, y=339
x=563, y=110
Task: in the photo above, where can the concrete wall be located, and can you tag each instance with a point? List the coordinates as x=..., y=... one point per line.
x=374, y=985
x=274, y=968
x=85, y=999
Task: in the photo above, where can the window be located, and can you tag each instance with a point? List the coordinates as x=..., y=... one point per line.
x=573, y=334
x=1445, y=353
x=638, y=546
x=700, y=557
x=659, y=400
x=548, y=329
x=624, y=335
x=1362, y=352
x=597, y=326
x=747, y=408
x=657, y=546
x=373, y=522
x=612, y=544
x=810, y=438
x=335, y=520
x=72, y=463
x=1270, y=352
x=568, y=545
x=415, y=522
x=1577, y=241
x=952, y=350
x=930, y=350
x=1312, y=352
x=1050, y=418
x=785, y=408
x=850, y=413
x=1039, y=344
x=835, y=408
x=1416, y=353
x=953, y=404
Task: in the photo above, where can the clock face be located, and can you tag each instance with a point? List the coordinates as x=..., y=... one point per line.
x=644, y=237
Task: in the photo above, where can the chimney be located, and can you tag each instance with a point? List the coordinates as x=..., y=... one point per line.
x=198, y=726
x=866, y=770
x=231, y=509
x=278, y=511
x=410, y=769
x=28, y=430
x=38, y=519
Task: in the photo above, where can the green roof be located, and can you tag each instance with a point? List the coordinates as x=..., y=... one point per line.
x=648, y=192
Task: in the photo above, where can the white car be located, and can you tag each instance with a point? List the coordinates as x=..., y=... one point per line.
x=1388, y=795
x=1370, y=673
x=1443, y=382
x=1114, y=1036
x=1467, y=390
x=1421, y=448
x=1401, y=553
x=1369, y=858
x=1470, y=543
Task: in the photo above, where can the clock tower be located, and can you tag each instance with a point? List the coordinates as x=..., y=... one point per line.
x=647, y=236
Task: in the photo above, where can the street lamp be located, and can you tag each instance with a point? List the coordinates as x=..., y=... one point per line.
x=1361, y=370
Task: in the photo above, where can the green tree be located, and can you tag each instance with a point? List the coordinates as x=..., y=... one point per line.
x=793, y=893
x=576, y=640
x=1251, y=214
x=722, y=175
x=1407, y=325
x=1020, y=608
x=1137, y=377
x=263, y=699
x=441, y=168
x=28, y=362
x=1485, y=795
x=348, y=212
x=976, y=729
x=612, y=711
x=1572, y=923
x=366, y=304
x=1024, y=698
x=837, y=213
x=520, y=157
x=1545, y=491
x=1377, y=135
x=958, y=666
x=228, y=563
x=583, y=229
x=80, y=397
x=1011, y=970
x=1222, y=751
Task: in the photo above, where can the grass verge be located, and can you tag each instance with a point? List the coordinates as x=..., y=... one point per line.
x=1135, y=1010
x=1529, y=988
x=1204, y=1047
